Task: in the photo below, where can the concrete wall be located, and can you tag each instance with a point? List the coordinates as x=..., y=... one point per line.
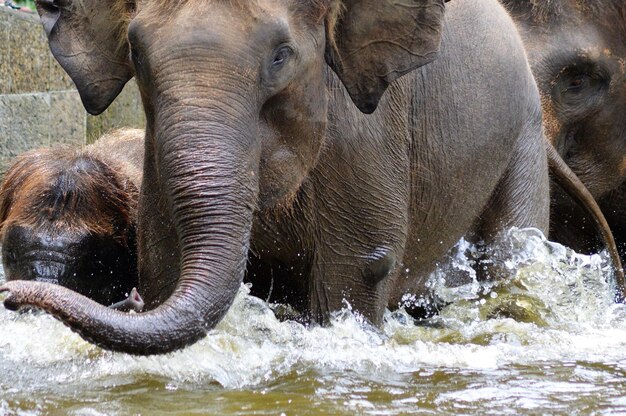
x=39, y=105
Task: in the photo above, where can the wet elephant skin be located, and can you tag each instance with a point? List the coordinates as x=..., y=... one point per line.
x=319, y=146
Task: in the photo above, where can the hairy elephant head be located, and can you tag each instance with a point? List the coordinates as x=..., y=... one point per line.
x=69, y=218
x=577, y=50
x=237, y=106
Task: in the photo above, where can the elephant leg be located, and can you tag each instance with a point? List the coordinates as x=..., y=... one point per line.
x=521, y=199
x=355, y=263
x=360, y=280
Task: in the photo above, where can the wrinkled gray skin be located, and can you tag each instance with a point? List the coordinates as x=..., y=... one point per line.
x=577, y=51
x=258, y=159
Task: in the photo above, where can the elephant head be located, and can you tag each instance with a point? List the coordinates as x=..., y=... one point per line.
x=236, y=100
x=68, y=217
x=577, y=51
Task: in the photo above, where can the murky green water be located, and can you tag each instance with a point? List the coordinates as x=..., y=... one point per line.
x=547, y=341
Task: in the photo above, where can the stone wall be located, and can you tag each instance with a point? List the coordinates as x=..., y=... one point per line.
x=39, y=105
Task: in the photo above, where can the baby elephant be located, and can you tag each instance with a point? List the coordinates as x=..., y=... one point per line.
x=69, y=216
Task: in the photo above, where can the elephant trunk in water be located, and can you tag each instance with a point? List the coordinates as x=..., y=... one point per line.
x=211, y=193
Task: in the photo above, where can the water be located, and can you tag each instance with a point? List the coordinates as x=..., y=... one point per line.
x=547, y=340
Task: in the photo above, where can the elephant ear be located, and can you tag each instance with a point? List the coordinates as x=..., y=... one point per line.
x=88, y=39
x=371, y=43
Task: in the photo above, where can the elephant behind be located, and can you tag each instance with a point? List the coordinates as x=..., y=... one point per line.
x=577, y=51
x=69, y=216
x=306, y=146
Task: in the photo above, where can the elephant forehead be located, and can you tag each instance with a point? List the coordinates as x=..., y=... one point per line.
x=237, y=16
x=241, y=30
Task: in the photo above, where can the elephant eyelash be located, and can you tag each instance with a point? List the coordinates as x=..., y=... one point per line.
x=576, y=83
x=581, y=76
x=281, y=56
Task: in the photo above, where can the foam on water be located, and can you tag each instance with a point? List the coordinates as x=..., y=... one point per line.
x=556, y=306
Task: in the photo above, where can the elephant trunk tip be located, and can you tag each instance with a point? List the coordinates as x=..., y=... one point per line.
x=134, y=302
x=161, y=331
x=18, y=294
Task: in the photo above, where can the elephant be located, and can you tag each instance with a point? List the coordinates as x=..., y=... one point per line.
x=69, y=217
x=316, y=149
x=576, y=50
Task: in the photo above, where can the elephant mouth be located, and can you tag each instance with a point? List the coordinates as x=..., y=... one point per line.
x=47, y=256
x=566, y=143
x=39, y=265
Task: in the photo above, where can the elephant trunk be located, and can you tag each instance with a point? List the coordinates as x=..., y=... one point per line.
x=210, y=186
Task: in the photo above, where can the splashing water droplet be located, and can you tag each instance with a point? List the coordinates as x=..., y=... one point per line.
x=550, y=306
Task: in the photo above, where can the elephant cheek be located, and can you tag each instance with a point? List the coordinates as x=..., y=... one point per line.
x=282, y=173
x=550, y=120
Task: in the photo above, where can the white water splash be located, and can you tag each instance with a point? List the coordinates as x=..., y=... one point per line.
x=555, y=306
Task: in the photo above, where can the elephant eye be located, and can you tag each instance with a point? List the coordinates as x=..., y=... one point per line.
x=281, y=56
x=580, y=89
x=577, y=83
x=582, y=83
x=279, y=68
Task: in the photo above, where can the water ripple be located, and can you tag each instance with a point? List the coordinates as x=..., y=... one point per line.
x=545, y=338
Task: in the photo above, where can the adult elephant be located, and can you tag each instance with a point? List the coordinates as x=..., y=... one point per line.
x=577, y=53
x=256, y=151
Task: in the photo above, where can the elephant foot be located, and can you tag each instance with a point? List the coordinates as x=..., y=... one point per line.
x=133, y=302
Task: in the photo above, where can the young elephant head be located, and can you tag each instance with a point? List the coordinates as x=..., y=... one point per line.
x=577, y=51
x=237, y=107
x=68, y=217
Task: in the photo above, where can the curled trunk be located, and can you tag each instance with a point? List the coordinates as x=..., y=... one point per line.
x=211, y=189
